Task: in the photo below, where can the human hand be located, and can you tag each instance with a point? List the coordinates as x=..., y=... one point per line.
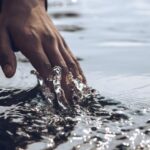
x=26, y=26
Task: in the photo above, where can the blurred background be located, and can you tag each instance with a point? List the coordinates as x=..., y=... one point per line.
x=112, y=40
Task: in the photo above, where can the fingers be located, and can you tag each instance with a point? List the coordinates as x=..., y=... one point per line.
x=68, y=59
x=7, y=56
x=54, y=55
x=33, y=50
x=35, y=53
x=75, y=61
x=80, y=70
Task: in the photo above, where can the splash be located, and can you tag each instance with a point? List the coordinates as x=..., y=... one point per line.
x=49, y=96
x=80, y=90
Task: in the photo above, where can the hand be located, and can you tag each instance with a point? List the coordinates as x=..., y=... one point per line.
x=26, y=26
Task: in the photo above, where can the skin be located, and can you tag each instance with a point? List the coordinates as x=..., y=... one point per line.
x=26, y=26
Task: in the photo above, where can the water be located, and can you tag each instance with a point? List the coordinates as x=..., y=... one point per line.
x=114, y=43
x=112, y=39
x=30, y=122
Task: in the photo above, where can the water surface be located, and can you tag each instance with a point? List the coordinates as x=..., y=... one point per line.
x=112, y=38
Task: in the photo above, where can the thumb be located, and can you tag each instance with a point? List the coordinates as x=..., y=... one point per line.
x=7, y=56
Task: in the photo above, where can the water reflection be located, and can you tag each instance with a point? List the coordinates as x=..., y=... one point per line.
x=95, y=123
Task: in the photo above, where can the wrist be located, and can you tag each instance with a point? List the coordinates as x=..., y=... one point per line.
x=15, y=7
x=21, y=5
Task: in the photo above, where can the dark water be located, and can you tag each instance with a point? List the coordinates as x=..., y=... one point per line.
x=111, y=38
x=95, y=123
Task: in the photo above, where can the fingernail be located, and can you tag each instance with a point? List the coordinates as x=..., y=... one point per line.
x=8, y=70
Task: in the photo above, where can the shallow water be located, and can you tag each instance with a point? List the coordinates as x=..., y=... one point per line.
x=112, y=38
x=30, y=122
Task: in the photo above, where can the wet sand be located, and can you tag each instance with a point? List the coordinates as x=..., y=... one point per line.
x=114, y=46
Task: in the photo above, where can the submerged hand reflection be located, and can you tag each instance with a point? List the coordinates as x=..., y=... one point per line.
x=26, y=26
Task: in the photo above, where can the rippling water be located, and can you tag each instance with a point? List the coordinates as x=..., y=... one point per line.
x=29, y=122
x=111, y=38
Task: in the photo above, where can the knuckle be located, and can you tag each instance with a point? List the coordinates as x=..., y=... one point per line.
x=50, y=37
x=31, y=37
x=30, y=34
x=23, y=31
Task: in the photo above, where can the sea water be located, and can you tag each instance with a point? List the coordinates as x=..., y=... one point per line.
x=112, y=40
